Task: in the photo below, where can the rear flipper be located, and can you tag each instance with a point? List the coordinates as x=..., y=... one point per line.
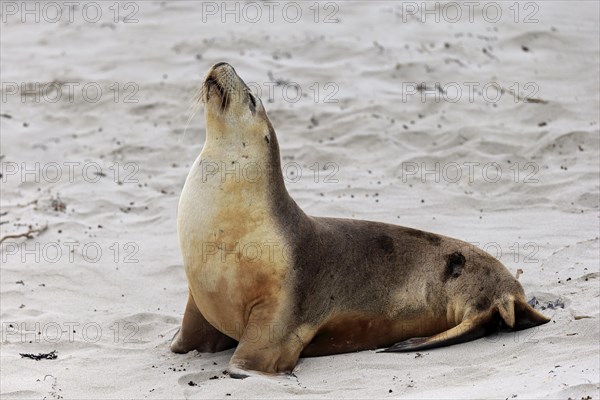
x=515, y=313
x=525, y=316
x=467, y=330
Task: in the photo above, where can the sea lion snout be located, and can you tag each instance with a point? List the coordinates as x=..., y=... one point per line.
x=220, y=82
x=221, y=64
x=229, y=92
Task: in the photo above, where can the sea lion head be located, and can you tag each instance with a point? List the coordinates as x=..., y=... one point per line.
x=232, y=111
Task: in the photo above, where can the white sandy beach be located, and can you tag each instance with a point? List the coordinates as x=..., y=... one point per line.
x=104, y=284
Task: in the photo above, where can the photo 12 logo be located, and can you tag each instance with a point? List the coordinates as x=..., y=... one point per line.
x=71, y=171
x=68, y=251
x=270, y=11
x=53, y=12
x=453, y=172
x=288, y=91
x=292, y=92
x=53, y=92
x=453, y=92
x=462, y=11
x=56, y=332
x=255, y=172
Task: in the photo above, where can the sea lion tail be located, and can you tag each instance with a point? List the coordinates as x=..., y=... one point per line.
x=517, y=314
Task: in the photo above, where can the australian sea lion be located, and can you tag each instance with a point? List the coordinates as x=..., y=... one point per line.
x=282, y=284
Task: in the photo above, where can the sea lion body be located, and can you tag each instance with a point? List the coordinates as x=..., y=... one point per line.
x=224, y=277
x=283, y=284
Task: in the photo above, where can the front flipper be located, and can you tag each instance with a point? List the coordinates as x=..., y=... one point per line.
x=467, y=330
x=267, y=346
x=196, y=333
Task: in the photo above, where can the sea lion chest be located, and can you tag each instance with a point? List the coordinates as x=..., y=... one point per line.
x=233, y=255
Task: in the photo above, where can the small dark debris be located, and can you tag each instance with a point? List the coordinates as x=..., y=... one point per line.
x=542, y=124
x=525, y=48
x=7, y=116
x=213, y=377
x=40, y=356
x=554, y=304
x=533, y=302
x=278, y=81
x=20, y=283
x=58, y=205
x=192, y=383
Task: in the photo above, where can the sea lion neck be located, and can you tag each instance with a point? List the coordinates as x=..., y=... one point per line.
x=248, y=161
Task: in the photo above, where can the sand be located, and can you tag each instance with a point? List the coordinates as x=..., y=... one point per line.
x=103, y=284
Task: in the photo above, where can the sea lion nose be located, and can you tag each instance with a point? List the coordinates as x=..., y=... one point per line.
x=220, y=64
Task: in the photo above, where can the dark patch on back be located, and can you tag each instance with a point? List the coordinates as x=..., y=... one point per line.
x=430, y=237
x=455, y=263
x=385, y=243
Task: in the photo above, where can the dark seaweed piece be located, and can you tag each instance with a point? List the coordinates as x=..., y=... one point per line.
x=40, y=356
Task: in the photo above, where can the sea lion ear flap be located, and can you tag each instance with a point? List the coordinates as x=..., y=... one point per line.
x=506, y=308
x=527, y=316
